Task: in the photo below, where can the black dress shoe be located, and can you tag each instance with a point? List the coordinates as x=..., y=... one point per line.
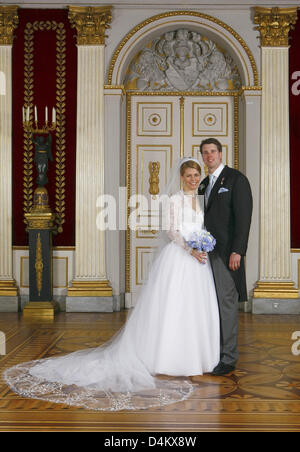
x=222, y=369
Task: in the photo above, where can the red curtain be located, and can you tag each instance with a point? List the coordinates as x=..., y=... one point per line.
x=44, y=66
x=294, y=69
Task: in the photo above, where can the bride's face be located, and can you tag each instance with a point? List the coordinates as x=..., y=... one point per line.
x=191, y=179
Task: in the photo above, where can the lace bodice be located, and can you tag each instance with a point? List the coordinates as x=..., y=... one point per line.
x=184, y=219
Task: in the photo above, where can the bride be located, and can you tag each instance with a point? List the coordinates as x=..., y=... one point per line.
x=170, y=335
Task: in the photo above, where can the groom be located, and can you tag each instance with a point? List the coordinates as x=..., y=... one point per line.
x=227, y=216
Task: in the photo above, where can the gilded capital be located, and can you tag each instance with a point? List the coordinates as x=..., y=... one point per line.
x=8, y=22
x=274, y=25
x=90, y=23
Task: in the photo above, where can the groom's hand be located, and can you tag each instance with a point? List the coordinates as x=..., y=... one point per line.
x=234, y=261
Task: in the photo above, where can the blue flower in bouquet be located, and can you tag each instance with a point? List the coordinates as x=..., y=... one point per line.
x=202, y=241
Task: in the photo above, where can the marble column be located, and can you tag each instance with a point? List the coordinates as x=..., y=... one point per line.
x=275, y=292
x=115, y=185
x=250, y=165
x=90, y=290
x=8, y=288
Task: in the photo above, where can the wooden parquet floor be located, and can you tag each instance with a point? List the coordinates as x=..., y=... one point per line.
x=262, y=394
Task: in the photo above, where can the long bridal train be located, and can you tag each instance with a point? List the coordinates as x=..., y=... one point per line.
x=173, y=331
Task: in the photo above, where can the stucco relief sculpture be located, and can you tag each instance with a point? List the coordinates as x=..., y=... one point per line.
x=182, y=60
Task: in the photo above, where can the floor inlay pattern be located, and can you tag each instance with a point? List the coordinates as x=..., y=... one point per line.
x=262, y=394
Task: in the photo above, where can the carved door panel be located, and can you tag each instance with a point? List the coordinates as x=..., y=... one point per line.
x=210, y=117
x=161, y=129
x=154, y=146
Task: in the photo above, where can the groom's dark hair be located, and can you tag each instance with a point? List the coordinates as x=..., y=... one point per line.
x=211, y=141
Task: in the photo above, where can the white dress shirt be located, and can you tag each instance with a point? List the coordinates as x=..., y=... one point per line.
x=212, y=179
x=218, y=171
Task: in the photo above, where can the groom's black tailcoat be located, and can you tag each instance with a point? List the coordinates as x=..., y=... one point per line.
x=227, y=217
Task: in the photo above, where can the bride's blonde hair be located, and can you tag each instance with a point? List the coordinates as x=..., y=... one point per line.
x=189, y=164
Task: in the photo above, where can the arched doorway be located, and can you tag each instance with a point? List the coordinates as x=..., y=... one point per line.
x=169, y=111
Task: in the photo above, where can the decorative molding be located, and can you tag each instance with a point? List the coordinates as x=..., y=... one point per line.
x=187, y=93
x=274, y=25
x=269, y=289
x=128, y=185
x=39, y=264
x=236, y=137
x=121, y=87
x=90, y=289
x=181, y=103
x=8, y=22
x=90, y=23
x=179, y=14
x=8, y=288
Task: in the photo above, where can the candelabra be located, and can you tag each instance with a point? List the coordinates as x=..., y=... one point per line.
x=28, y=123
x=40, y=221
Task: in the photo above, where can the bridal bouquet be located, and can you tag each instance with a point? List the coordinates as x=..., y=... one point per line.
x=202, y=241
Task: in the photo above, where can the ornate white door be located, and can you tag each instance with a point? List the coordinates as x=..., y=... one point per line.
x=160, y=129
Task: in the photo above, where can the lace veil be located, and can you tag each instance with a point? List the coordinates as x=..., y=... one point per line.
x=172, y=191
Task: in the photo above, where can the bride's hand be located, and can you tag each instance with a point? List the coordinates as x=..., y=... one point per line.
x=201, y=256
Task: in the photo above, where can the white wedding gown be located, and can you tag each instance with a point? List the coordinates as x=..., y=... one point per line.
x=173, y=330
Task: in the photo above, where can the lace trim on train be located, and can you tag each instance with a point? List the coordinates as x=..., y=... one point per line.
x=166, y=392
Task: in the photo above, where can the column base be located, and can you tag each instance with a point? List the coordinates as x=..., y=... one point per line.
x=275, y=306
x=40, y=309
x=8, y=288
x=9, y=303
x=9, y=296
x=280, y=290
x=90, y=289
x=89, y=304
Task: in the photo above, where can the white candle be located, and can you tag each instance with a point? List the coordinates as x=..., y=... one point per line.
x=53, y=115
x=35, y=113
x=28, y=114
x=46, y=114
x=23, y=111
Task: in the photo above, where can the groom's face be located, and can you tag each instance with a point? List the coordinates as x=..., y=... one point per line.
x=212, y=157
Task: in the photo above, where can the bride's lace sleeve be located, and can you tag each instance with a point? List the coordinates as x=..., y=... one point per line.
x=174, y=221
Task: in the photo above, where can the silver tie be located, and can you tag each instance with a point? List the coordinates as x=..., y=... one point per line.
x=209, y=187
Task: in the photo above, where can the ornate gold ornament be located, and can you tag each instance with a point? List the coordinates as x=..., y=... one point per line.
x=90, y=23
x=274, y=25
x=8, y=22
x=60, y=115
x=39, y=264
x=40, y=215
x=154, y=168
